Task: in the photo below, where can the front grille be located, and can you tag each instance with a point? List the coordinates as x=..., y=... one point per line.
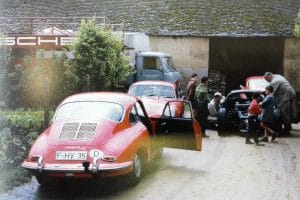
x=75, y=131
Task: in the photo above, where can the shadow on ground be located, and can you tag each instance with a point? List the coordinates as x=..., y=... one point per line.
x=105, y=188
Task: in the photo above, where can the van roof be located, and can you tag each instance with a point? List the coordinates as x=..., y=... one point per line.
x=154, y=53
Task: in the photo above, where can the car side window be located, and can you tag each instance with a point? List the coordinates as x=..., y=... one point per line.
x=152, y=63
x=133, y=116
x=140, y=111
x=178, y=109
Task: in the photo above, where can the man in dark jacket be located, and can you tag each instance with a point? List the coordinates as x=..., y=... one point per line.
x=201, y=96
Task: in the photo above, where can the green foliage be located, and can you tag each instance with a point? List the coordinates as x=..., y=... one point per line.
x=99, y=62
x=297, y=26
x=18, y=130
x=5, y=57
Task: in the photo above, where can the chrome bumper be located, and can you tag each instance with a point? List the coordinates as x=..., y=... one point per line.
x=47, y=167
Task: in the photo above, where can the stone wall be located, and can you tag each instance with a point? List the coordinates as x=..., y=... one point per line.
x=190, y=54
x=291, y=62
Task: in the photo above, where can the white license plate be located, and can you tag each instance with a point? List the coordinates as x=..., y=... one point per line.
x=71, y=155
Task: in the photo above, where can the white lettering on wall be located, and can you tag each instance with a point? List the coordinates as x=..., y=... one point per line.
x=9, y=41
x=66, y=40
x=24, y=41
x=37, y=40
x=55, y=41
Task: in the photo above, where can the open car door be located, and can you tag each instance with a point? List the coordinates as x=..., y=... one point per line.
x=177, y=127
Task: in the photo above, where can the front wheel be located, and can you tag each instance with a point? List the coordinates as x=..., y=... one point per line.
x=243, y=126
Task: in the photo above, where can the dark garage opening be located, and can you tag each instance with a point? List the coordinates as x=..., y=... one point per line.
x=238, y=58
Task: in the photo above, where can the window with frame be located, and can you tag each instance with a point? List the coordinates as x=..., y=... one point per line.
x=133, y=116
x=152, y=63
x=140, y=111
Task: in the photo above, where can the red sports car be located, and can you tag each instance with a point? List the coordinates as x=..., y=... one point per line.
x=155, y=95
x=95, y=135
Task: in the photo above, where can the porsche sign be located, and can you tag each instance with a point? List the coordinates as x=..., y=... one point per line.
x=38, y=40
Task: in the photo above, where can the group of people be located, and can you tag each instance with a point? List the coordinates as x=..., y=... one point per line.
x=261, y=112
x=198, y=96
x=279, y=93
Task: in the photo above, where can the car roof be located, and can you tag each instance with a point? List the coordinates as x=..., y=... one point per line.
x=154, y=53
x=114, y=97
x=149, y=82
x=244, y=91
x=255, y=77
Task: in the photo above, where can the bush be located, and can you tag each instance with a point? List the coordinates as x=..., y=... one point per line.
x=297, y=26
x=18, y=130
x=99, y=62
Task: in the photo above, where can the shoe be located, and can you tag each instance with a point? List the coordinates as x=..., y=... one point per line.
x=206, y=136
x=274, y=135
x=248, y=141
x=259, y=144
x=264, y=139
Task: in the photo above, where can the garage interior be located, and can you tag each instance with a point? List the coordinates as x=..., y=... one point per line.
x=238, y=58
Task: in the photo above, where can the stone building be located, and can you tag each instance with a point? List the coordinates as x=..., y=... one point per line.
x=237, y=38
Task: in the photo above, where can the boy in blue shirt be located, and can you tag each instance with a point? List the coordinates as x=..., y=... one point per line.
x=268, y=105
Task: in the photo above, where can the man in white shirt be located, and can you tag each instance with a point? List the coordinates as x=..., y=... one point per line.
x=215, y=104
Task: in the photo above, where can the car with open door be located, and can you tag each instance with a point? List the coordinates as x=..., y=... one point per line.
x=233, y=114
x=105, y=134
x=259, y=83
x=155, y=95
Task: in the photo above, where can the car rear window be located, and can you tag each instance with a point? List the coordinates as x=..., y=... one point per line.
x=90, y=111
x=257, y=84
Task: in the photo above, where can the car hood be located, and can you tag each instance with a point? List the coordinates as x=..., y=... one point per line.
x=79, y=132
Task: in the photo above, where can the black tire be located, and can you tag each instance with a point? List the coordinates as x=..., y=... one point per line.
x=243, y=126
x=221, y=129
x=221, y=133
x=138, y=169
x=42, y=180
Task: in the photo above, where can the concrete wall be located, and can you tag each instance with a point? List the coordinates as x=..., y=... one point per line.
x=190, y=54
x=291, y=62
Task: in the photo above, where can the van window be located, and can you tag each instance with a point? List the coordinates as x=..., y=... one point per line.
x=151, y=63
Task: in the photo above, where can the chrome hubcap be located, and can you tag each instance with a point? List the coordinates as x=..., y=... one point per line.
x=137, y=166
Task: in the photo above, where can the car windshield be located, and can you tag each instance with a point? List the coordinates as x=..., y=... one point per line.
x=257, y=84
x=152, y=90
x=168, y=62
x=90, y=111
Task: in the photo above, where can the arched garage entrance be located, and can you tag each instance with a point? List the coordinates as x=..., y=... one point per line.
x=239, y=58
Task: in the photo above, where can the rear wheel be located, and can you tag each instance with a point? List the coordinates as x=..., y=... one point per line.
x=43, y=180
x=136, y=174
